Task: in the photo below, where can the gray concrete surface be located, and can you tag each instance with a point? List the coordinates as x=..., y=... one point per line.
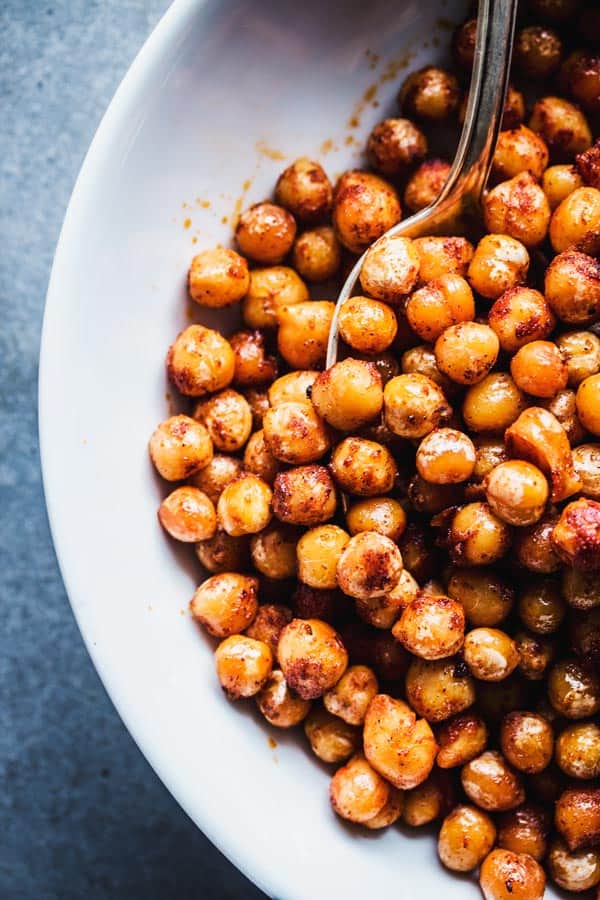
x=83, y=815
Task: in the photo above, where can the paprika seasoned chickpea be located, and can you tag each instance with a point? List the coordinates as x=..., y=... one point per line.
x=265, y=233
x=273, y=551
x=349, y=394
x=292, y=388
x=527, y=741
x=574, y=218
x=541, y=606
x=420, y=360
x=430, y=93
x=223, y=553
x=586, y=459
x=581, y=590
x=431, y=627
x=394, y=146
x=438, y=689
x=363, y=467
x=425, y=184
x=200, y=361
x=258, y=401
x=461, y=739
x=534, y=547
x=349, y=699
x=587, y=401
x=520, y=315
x=576, y=535
x=280, y=705
x=443, y=256
x=383, y=612
x=587, y=166
x=188, y=515
x=537, y=51
x=369, y=566
x=466, y=352
x=213, y=478
x=490, y=654
x=357, y=792
x=445, y=456
x=535, y=655
x=367, y=325
x=466, y=837
x=578, y=750
x=580, y=76
x=381, y=514
x=493, y=404
x=572, y=287
x=269, y=622
x=519, y=150
x=253, y=366
x=573, y=871
x=517, y=492
x=364, y=207
x=399, y=746
x=390, y=269
x=440, y=303
x=228, y=419
x=577, y=816
x=485, y=596
x=303, y=333
x=505, y=875
x=499, y=263
x=558, y=182
x=258, y=458
x=318, y=552
x=304, y=496
x=271, y=289
x=525, y=830
x=518, y=207
x=179, y=447
x=414, y=405
x=581, y=353
x=225, y=604
x=477, y=536
x=218, y=277
x=305, y=190
x=243, y=665
x=538, y=437
x=295, y=434
x=539, y=369
x=312, y=657
x=562, y=126
x=244, y=507
x=574, y=690
x=489, y=782
x=330, y=738
x=317, y=254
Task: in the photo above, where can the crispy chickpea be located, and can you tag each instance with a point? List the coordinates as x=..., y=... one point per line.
x=226, y=603
x=381, y=514
x=318, y=553
x=280, y=705
x=292, y=388
x=363, y=467
x=303, y=333
x=227, y=417
x=535, y=655
x=539, y=369
x=573, y=871
x=438, y=689
x=304, y=496
x=466, y=352
x=577, y=817
x=369, y=566
x=349, y=699
x=537, y=51
x=357, y=792
x=431, y=627
x=587, y=166
x=461, y=739
x=576, y=536
x=399, y=746
x=218, y=277
x=514, y=108
x=562, y=126
x=425, y=803
x=466, y=837
x=519, y=150
x=440, y=303
x=189, y=515
x=213, y=478
x=420, y=360
x=540, y=438
x=364, y=207
x=499, y=262
x=273, y=551
x=223, y=553
x=312, y=657
x=258, y=401
x=534, y=547
x=394, y=146
x=493, y=404
x=558, y=182
x=541, y=606
x=390, y=269
x=477, y=536
x=563, y=407
x=443, y=256
x=425, y=184
x=572, y=287
x=486, y=597
x=580, y=76
x=295, y=434
x=520, y=315
x=200, y=361
x=527, y=741
x=305, y=190
x=269, y=622
x=575, y=217
x=573, y=690
x=581, y=352
x=445, y=456
x=524, y=830
x=578, y=750
x=253, y=366
x=270, y=290
x=244, y=507
x=489, y=453
x=505, y=875
x=519, y=208
x=489, y=782
x=258, y=458
x=427, y=497
x=517, y=492
x=243, y=665
x=383, y=612
x=367, y=325
x=490, y=654
x=586, y=459
x=414, y=405
x=431, y=94
x=330, y=738
x=587, y=401
x=349, y=394
x=266, y=233
x=179, y=447
x=317, y=254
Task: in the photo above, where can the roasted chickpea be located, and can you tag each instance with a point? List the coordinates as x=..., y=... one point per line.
x=586, y=459
x=541, y=607
x=425, y=184
x=381, y=514
x=527, y=741
x=225, y=604
x=269, y=622
x=312, y=657
x=485, y=596
x=369, y=566
x=493, y=404
x=431, y=93
x=399, y=746
x=535, y=655
x=367, y=325
x=425, y=803
x=519, y=208
x=489, y=453
x=364, y=207
x=572, y=287
x=563, y=407
x=461, y=739
x=466, y=352
x=244, y=507
x=578, y=750
x=558, y=182
x=555, y=10
x=433, y=498
x=440, y=303
x=228, y=419
x=258, y=401
x=390, y=269
x=216, y=475
x=540, y=438
x=394, y=146
x=581, y=353
x=200, y=361
x=537, y=51
x=562, y=126
x=524, y=830
x=414, y=405
x=357, y=792
x=445, y=456
x=266, y=233
x=520, y=315
x=574, y=690
x=179, y=447
x=305, y=190
x=499, y=263
x=273, y=551
x=304, y=496
x=577, y=817
x=574, y=218
x=573, y=871
x=294, y=387
x=189, y=515
x=218, y=277
x=382, y=612
x=363, y=467
x=304, y=332
x=505, y=875
x=258, y=458
x=390, y=659
x=477, y=536
x=534, y=547
x=386, y=364
x=585, y=634
x=317, y=254
x=350, y=697
x=490, y=654
x=318, y=553
x=587, y=166
x=294, y=433
x=517, y=492
x=489, y=782
x=587, y=401
x=243, y=665
x=463, y=44
x=576, y=536
x=349, y=394
x=438, y=689
x=420, y=360
x=223, y=553
x=280, y=705
x=466, y=837
x=514, y=108
x=443, y=256
x=270, y=290
x=253, y=366
x=497, y=698
x=330, y=738
x=580, y=76
x=431, y=627
x=519, y=150
x=539, y=369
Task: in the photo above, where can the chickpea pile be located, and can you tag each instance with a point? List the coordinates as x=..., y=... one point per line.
x=403, y=550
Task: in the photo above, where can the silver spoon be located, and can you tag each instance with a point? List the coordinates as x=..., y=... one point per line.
x=468, y=175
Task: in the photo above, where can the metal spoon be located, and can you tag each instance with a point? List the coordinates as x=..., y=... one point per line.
x=468, y=175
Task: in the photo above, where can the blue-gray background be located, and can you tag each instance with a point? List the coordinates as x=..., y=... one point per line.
x=82, y=814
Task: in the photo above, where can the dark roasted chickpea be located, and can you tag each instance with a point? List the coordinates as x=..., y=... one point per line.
x=466, y=352
x=562, y=126
x=547, y=785
x=179, y=447
x=348, y=395
x=295, y=434
x=367, y=325
x=505, y=875
x=519, y=150
x=489, y=453
x=572, y=287
x=539, y=437
x=258, y=458
x=223, y=553
x=563, y=407
x=497, y=698
x=304, y=332
x=390, y=269
x=517, y=492
x=305, y=190
x=438, y=689
x=461, y=739
x=431, y=627
x=273, y=551
x=414, y=405
x=357, y=792
x=318, y=553
x=253, y=366
x=555, y=10
x=213, y=478
x=312, y=603
x=525, y=830
x=440, y=303
x=493, y=404
x=587, y=401
x=381, y=514
x=364, y=207
x=520, y=315
x=541, y=606
x=445, y=456
x=431, y=93
x=369, y=566
x=519, y=208
x=280, y=705
x=463, y=44
x=477, y=536
x=514, y=108
x=574, y=690
x=578, y=750
x=317, y=254
x=200, y=361
x=490, y=654
x=537, y=51
x=581, y=352
x=485, y=596
x=576, y=535
x=187, y=514
x=580, y=76
x=243, y=665
x=534, y=547
x=304, y=496
x=577, y=817
x=573, y=871
x=425, y=184
x=527, y=741
x=350, y=697
x=244, y=507
x=225, y=604
x=489, y=782
x=312, y=657
x=330, y=738
x=269, y=622
x=266, y=233
x=363, y=467
x=535, y=655
x=390, y=659
x=394, y=146
x=499, y=263
x=443, y=256
x=218, y=277
x=227, y=417
x=558, y=182
x=271, y=289
x=399, y=746
x=433, y=498
x=585, y=634
x=466, y=837
x=587, y=166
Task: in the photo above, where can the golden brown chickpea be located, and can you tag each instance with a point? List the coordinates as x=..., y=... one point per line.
x=440, y=303
x=382, y=612
x=304, y=496
x=490, y=654
x=520, y=315
x=179, y=447
x=540, y=438
x=253, y=366
x=225, y=604
x=243, y=665
x=394, y=146
x=349, y=394
x=505, y=875
x=330, y=738
x=304, y=332
x=266, y=233
x=534, y=547
x=364, y=207
x=524, y=830
x=577, y=817
x=586, y=459
x=587, y=401
x=486, y=598
x=466, y=837
x=369, y=566
x=493, y=404
x=258, y=401
x=227, y=417
x=318, y=553
x=562, y=126
x=425, y=803
x=489, y=782
x=463, y=44
x=269, y=622
x=188, y=515
x=292, y=388
x=466, y=352
x=431, y=93
x=576, y=536
x=214, y=477
x=499, y=262
x=537, y=51
x=317, y=254
x=244, y=507
x=578, y=750
x=420, y=360
x=363, y=467
x=574, y=690
x=350, y=697
x=541, y=606
x=218, y=277
x=200, y=361
x=367, y=325
x=572, y=287
x=577, y=216
x=381, y=514
x=312, y=657
x=527, y=741
x=535, y=655
x=414, y=405
x=281, y=706
x=223, y=553
x=581, y=352
x=390, y=812
x=517, y=492
x=399, y=746
x=580, y=76
x=519, y=150
x=443, y=256
x=573, y=871
x=357, y=792
x=431, y=627
x=461, y=739
x=273, y=551
x=581, y=590
x=489, y=453
x=445, y=456
x=305, y=190
x=295, y=434
x=519, y=208
x=390, y=269
x=258, y=458
x=438, y=689
x=563, y=407
x=477, y=536
x=270, y=290
x=587, y=166
x=425, y=184
x=539, y=369
x=558, y=182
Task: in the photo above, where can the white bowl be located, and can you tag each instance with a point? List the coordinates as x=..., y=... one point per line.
x=218, y=91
